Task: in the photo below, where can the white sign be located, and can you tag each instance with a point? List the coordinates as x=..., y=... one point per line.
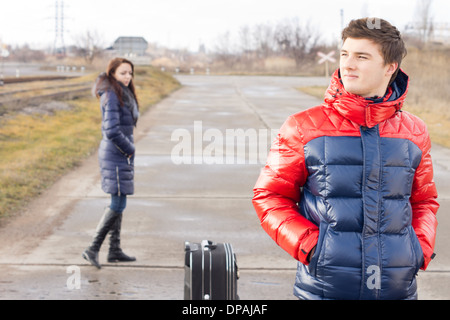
x=326, y=57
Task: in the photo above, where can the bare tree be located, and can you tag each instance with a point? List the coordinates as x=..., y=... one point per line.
x=245, y=44
x=224, y=50
x=288, y=39
x=424, y=20
x=89, y=46
x=296, y=40
x=264, y=37
x=25, y=54
x=245, y=40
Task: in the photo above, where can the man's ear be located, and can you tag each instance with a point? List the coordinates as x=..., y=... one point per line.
x=392, y=68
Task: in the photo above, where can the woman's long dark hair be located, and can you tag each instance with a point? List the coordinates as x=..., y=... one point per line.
x=110, y=71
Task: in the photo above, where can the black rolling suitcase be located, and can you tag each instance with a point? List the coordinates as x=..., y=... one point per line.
x=211, y=271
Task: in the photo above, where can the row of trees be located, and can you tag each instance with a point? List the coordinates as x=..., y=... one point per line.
x=300, y=41
x=288, y=38
x=87, y=46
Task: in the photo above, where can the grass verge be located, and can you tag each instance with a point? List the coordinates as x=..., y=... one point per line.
x=37, y=149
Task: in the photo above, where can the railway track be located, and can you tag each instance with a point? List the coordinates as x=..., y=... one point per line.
x=34, y=78
x=31, y=93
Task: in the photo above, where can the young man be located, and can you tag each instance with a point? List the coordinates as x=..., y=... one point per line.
x=348, y=186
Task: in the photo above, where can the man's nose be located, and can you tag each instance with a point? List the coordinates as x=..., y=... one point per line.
x=348, y=63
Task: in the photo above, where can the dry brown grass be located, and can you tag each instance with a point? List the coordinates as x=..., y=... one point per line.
x=429, y=92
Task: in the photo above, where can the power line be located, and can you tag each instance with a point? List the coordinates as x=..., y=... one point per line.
x=59, y=47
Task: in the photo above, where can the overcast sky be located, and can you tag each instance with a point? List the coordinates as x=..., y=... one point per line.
x=187, y=23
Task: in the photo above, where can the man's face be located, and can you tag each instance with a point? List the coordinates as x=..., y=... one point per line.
x=363, y=70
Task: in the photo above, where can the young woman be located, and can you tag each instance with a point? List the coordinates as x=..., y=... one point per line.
x=120, y=112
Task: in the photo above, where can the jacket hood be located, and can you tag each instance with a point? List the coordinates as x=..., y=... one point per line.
x=363, y=111
x=101, y=84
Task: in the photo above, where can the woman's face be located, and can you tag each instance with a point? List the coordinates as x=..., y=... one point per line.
x=124, y=74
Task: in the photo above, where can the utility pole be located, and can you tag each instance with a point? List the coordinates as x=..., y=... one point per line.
x=59, y=47
x=342, y=28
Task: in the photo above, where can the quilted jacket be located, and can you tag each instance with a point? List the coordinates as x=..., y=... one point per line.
x=117, y=145
x=353, y=178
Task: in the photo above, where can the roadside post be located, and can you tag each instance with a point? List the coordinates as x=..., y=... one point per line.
x=326, y=58
x=3, y=54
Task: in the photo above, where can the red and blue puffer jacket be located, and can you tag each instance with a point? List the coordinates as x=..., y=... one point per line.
x=354, y=179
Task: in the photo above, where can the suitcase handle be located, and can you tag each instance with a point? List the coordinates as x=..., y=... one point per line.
x=188, y=246
x=208, y=244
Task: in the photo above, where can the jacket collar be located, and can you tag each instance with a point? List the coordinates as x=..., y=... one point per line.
x=367, y=112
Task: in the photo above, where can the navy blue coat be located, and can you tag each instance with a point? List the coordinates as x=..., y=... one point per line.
x=117, y=145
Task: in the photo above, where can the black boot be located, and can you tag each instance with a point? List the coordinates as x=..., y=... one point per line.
x=115, y=252
x=105, y=225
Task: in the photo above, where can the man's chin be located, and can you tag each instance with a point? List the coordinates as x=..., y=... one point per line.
x=352, y=90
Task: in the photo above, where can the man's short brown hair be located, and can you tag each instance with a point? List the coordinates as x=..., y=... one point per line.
x=381, y=32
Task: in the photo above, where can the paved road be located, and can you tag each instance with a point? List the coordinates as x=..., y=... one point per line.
x=194, y=181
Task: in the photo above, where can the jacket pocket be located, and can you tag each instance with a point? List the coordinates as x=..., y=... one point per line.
x=312, y=267
x=417, y=249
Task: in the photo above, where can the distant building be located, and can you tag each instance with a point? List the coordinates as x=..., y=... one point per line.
x=130, y=46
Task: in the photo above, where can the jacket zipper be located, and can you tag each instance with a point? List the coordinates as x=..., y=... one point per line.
x=125, y=154
x=363, y=192
x=364, y=184
x=121, y=151
x=118, y=180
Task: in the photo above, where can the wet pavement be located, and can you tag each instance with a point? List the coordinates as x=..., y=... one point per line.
x=194, y=180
